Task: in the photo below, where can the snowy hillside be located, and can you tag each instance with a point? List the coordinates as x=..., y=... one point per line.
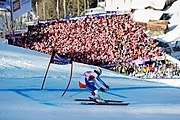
x=21, y=75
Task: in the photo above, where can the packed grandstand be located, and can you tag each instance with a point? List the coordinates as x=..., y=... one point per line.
x=111, y=41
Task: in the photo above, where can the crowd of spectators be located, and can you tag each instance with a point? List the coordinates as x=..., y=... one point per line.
x=156, y=69
x=114, y=40
x=1, y=34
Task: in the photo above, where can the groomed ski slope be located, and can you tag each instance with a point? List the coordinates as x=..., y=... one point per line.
x=21, y=76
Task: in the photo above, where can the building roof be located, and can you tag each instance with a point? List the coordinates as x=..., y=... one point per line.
x=144, y=15
x=141, y=4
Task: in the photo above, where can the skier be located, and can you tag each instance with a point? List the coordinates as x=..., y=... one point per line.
x=91, y=79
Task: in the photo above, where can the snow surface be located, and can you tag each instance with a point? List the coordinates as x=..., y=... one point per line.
x=21, y=76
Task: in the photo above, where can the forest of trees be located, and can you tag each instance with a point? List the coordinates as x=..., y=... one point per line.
x=49, y=9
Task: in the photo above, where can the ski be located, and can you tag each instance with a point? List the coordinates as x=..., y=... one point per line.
x=94, y=101
x=103, y=103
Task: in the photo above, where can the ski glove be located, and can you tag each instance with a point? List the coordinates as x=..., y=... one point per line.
x=106, y=86
x=102, y=89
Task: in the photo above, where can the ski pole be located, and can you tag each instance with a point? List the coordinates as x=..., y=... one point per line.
x=77, y=93
x=115, y=94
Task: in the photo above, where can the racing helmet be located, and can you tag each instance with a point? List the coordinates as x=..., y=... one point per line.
x=98, y=71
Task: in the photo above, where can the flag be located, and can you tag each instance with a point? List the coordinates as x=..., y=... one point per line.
x=60, y=60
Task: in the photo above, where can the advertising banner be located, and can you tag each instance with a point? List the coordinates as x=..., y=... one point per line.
x=19, y=7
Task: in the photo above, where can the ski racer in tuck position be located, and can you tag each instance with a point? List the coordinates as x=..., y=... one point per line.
x=91, y=79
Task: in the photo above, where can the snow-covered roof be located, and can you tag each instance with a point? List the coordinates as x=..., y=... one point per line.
x=144, y=15
x=171, y=36
x=141, y=4
x=118, y=5
x=174, y=34
x=174, y=12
